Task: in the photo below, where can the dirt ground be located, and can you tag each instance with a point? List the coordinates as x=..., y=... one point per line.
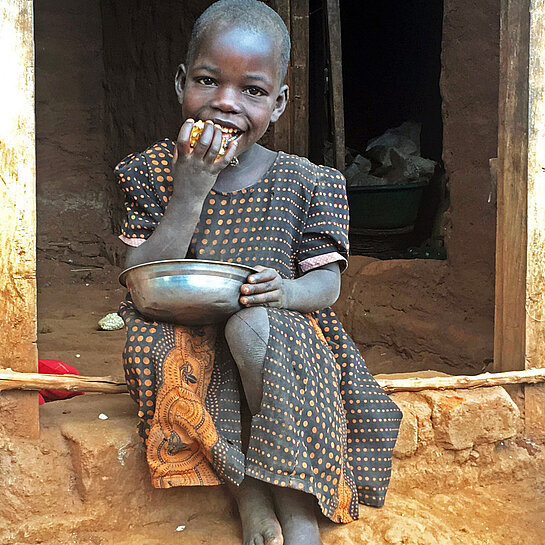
x=491, y=515
x=72, y=297
x=404, y=315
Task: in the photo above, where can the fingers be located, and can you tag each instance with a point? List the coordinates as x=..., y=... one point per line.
x=262, y=288
x=267, y=299
x=208, y=144
x=230, y=152
x=264, y=274
x=182, y=143
x=215, y=147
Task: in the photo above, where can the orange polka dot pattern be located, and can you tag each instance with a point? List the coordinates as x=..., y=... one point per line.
x=325, y=425
x=297, y=211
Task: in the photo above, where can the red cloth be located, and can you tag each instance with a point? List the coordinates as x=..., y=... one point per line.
x=55, y=367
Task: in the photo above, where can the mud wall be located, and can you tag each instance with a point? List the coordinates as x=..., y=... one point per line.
x=105, y=88
x=71, y=173
x=469, y=87
x=144, y=42
x=104, y=73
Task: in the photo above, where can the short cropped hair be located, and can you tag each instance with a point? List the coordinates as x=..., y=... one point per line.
x=250, y=15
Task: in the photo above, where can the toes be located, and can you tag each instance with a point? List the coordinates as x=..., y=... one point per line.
x=267, y=538
x=274, y=540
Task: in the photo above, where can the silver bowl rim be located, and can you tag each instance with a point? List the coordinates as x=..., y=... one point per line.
x=123, y=275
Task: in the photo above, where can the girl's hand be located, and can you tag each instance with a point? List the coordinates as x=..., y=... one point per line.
x=264, y=288
x=197, y=168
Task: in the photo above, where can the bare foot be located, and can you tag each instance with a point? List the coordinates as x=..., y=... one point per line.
x=296, y=513
x=255, y=506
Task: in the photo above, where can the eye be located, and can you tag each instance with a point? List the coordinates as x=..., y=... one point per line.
x=255, y=91
x=205, y=80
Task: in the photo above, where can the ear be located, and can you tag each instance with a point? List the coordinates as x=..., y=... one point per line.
x=281, y=103
x=179, y=82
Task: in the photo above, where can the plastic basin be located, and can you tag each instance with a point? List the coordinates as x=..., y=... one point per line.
x=384, y=206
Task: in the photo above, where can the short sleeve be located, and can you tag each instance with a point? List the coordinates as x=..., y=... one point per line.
x=146, y=190
x=325, y=236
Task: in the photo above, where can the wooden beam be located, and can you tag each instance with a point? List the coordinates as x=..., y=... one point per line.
x=299, y=17
x=333, y=25
x=535, y=263
x=18, y=219
x=511, y=236
x=291, y=132
x=11, y=380
x=282, y=130
x=519, y=338
x=461, y=382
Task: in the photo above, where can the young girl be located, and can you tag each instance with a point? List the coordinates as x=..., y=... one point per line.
x=322, y=431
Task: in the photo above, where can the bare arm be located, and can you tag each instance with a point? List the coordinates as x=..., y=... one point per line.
x=314, y=290
x=195, y=171
x=171, y=238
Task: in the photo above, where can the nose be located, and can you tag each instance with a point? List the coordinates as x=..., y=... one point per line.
x=226, y=99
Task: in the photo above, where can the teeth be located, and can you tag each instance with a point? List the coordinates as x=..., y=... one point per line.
x=228, y=134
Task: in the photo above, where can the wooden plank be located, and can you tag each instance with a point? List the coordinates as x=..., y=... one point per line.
x=333, y=24
x=299, y=17
x=535, y=283
x=520, y=274
x=497, y=364
x=318, y=98
x=282, y=129
x=18, y=218
x=509, y=335
x=11, y=380
x=460, y=382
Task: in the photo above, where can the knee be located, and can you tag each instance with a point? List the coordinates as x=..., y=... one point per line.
x=247, y=334
x=248, y=322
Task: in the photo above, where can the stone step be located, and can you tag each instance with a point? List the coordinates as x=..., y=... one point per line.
x=86, y=480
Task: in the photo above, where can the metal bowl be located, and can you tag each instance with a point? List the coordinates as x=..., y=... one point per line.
x=186, y=291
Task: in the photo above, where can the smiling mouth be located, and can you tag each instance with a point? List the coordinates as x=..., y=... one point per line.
x=228, y=135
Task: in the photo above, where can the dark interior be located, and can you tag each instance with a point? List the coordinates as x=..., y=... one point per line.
x=391, y=69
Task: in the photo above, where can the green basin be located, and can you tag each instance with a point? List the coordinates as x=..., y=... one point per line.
x=384, y=206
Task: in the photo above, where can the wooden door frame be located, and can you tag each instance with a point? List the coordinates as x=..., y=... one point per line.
x=18, y=219
x=519, y=329
x=520, y=256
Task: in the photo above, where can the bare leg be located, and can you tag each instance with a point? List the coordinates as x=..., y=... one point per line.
x=247, y=334
x=296, y=513
x=248, y=344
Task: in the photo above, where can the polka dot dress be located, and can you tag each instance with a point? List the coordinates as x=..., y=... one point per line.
x=325, y=426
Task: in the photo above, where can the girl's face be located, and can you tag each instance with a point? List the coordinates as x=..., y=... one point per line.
x=233, y=80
